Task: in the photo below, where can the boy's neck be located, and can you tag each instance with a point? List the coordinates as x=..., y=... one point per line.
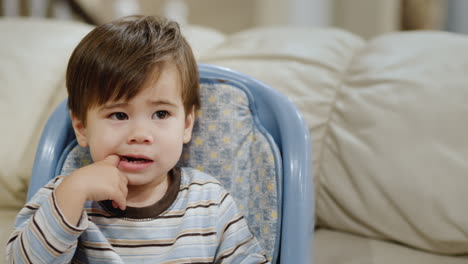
x=146, y=195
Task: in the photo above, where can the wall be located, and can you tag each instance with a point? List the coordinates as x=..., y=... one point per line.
x=226, y=15
x=457, y=20
x=367, y=18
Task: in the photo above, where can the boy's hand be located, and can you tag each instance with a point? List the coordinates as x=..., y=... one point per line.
x=99, y=181
x=104, y=181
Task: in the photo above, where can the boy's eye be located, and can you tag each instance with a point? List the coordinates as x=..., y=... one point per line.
x=119, y=116
x=160, y=114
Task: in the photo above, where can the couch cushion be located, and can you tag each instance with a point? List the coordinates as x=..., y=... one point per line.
x=202, y=39
x=395, y=162
x=33, y=59
x=333, y=247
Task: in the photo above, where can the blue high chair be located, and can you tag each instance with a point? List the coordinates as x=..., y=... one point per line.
x=249, y=136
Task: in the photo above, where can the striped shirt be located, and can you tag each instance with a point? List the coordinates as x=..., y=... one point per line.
x=197, y=221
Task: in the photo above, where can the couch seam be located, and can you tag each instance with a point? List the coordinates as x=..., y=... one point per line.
x=339, y=89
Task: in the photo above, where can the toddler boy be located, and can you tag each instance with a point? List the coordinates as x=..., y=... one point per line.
x=133, y=92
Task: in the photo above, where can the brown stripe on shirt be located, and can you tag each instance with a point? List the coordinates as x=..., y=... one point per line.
x=165, y=244
x=222, y=256
x=38, y=228
x=23, y=250
x=57, y=211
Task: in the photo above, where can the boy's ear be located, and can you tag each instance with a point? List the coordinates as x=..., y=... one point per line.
x=189, y=121
x=80, y=131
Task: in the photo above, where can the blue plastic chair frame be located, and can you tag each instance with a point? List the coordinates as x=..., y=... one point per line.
x=276, y=113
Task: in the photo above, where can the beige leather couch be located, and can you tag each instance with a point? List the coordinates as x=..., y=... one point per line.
x=388, y=119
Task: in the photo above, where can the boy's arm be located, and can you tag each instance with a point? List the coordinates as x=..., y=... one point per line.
x=48, y=227
x=42, y=234
x=236, y=243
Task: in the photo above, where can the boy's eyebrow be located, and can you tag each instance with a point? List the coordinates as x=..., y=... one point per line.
x=153, y=102
x=163, y=102
x=113, y=105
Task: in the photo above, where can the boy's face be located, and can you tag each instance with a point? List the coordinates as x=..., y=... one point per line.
x=146, y=132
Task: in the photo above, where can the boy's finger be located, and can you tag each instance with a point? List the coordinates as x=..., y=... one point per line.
x=122, y=203
x=119, y=203
x=113, y=160
x=119, y=200
x=124, y=189
x=124, y=179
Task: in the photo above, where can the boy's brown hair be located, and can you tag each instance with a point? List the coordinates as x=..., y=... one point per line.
x=114, y=61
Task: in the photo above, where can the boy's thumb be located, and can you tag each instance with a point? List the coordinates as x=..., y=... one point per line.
x=113, y=160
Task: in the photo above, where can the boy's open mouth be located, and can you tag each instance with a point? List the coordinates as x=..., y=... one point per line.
x=134, y=159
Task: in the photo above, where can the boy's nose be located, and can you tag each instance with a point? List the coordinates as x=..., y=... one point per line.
x=140, y=135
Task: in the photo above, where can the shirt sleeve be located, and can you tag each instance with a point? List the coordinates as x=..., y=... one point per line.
x=41, y=232
x=236, y=243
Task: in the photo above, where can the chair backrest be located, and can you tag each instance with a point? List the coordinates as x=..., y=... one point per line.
x=248, y=136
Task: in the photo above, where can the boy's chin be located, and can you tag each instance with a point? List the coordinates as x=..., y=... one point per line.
x=135, y=180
